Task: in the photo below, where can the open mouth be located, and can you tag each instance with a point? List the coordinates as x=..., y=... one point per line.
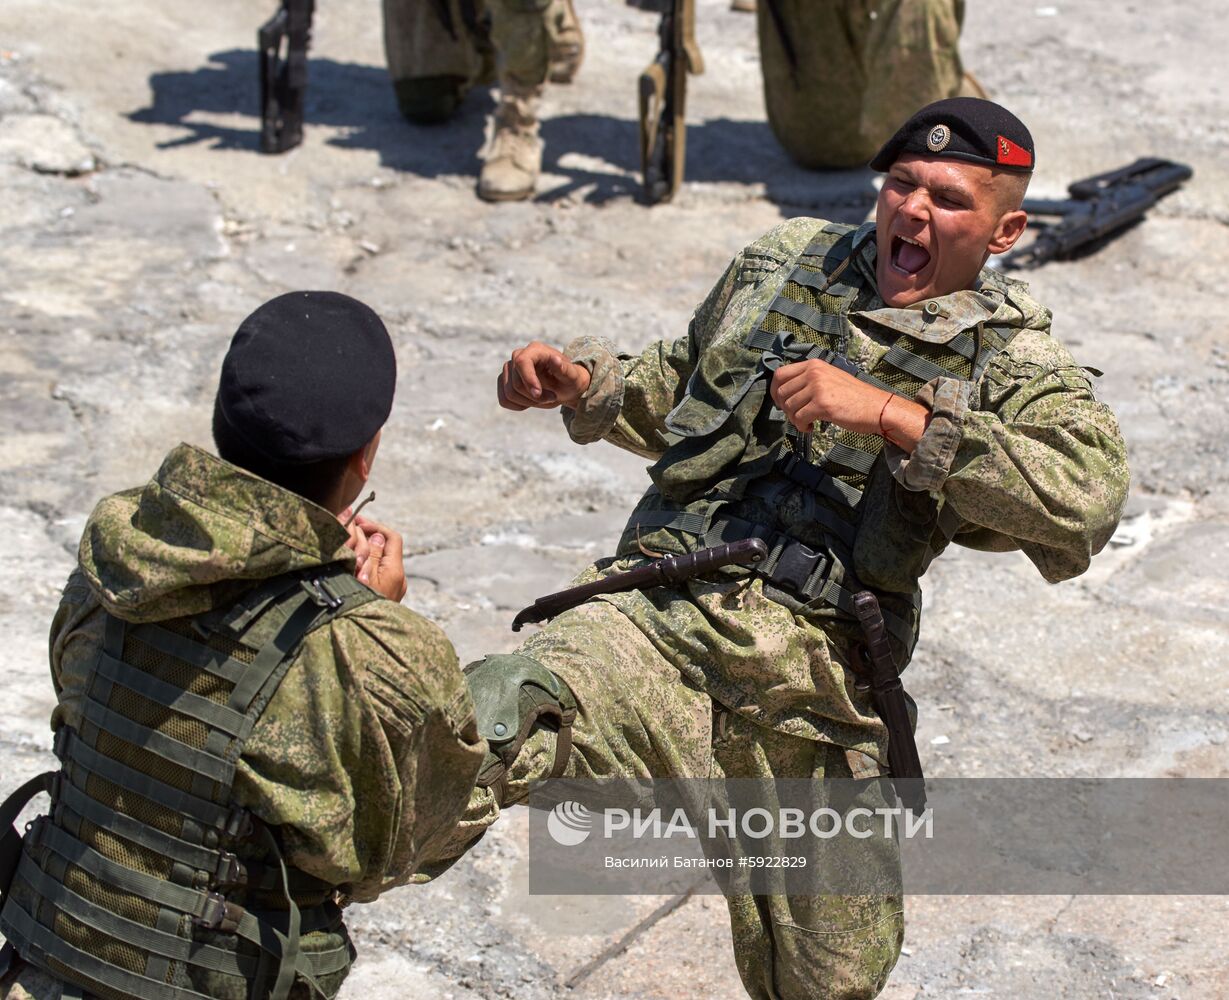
x=908, y=256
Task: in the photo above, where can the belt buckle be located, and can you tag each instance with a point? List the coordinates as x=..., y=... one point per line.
x=798, y=563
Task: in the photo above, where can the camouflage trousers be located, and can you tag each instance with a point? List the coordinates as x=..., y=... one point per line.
x=840, y=77
x=638, y=718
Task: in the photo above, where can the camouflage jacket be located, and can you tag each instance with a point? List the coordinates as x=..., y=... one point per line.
x=337, y=760
x=1025, y=458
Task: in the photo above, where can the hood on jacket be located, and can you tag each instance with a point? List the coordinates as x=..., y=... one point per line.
x=178, y=545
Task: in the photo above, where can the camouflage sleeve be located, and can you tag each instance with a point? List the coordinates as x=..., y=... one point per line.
x=76, y=635
x=630, y=395
x=1030, y=460
x=367, y=753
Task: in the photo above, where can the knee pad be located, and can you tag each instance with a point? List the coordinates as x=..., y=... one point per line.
x=514, y=695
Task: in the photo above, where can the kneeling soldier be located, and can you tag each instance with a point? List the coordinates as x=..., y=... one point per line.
x=243, y=726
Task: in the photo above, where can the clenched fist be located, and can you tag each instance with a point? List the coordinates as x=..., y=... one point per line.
x=540, y=376
x=812, y=391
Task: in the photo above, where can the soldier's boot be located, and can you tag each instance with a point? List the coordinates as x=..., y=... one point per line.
x=567, y=42
x=513, y=159
x=514, y=695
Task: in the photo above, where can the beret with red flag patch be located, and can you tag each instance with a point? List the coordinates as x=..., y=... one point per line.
x=962, y=128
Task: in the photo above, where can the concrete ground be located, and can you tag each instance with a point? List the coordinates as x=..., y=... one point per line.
x=138, y=225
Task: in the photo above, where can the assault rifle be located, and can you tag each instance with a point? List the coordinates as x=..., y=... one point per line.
x=283, y=75
x=663, y=98
x=1099, y=206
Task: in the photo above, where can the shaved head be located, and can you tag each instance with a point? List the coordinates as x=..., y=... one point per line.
x=1009, y=187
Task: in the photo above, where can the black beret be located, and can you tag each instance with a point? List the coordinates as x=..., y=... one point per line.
x=962, y=128
x=309, y=376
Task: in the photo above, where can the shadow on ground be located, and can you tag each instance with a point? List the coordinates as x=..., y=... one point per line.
x=358, y=100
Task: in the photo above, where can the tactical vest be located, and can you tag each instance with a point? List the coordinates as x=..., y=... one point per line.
x=146, y=879
x=835, y=520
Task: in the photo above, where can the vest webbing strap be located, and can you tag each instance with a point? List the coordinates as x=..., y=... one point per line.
x=159, y=744
x=688, y=522
x=80, y=756
x=171, y=946
x=112, y=820
x=851, y=458
x=89, y=967
x=829, y=324
x=819, y=281
x=804, y=473
x=182, y=648
x=916, y=365
x=175, y=698
x=301, y=612
x=192, y=902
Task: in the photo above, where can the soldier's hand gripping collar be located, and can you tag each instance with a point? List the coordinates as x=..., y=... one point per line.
x=962, y=128
x=513, y=695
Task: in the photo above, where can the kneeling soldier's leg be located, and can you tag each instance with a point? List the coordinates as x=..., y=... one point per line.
x=591, y=671
x=632, y=714
x=813, y=946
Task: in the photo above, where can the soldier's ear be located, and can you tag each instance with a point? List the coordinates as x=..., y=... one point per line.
x=1009, y=229
x=366, y=456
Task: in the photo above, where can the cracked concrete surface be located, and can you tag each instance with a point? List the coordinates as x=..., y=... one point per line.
x=139, y=226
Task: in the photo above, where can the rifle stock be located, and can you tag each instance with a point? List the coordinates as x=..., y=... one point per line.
x=283, y=79
x=663, y=102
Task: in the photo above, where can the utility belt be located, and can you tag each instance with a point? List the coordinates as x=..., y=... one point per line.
x=810, y=575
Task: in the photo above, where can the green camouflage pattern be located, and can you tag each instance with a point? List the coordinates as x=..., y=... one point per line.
x=638, y=718
x=1028, y=459
x=338, y=761
x=713, y=678
x=521, y=33
x=861, y=68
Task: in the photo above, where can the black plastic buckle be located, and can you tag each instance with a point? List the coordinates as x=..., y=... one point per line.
x=319, y=591
x=239, y=824
x=219, y=915
x=796, y=566
x=59, y=743
x=230, y=871
x=798, y=470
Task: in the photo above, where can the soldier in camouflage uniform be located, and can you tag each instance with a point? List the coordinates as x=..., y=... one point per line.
x=249, y=736
x=941, y=410
x=534, y=40
x=838, y=76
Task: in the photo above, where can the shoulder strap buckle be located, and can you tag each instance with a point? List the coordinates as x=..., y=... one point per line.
x=319, y=591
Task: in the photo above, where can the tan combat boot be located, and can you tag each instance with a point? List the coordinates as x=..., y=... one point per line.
x=513, y=160
x=567, y=43
x=746, y=6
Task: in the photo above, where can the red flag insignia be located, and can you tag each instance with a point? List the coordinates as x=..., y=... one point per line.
x=1012, y=155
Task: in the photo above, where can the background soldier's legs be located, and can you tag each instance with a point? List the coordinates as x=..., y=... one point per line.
x=808, y=947
x=520, y=32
